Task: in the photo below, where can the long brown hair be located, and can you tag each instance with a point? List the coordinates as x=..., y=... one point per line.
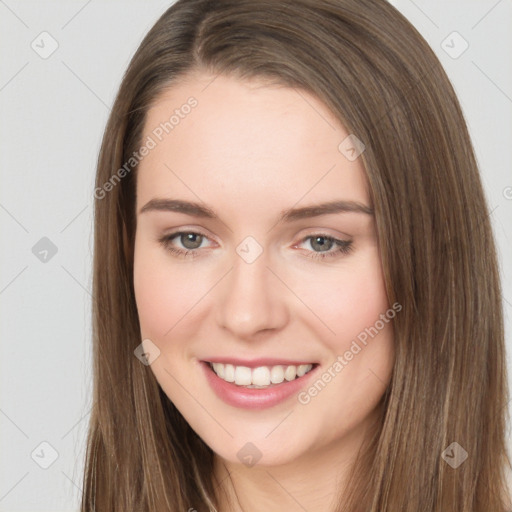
x=383, y=82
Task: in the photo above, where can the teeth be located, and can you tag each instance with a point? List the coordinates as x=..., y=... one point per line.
x=242, y=376
x=262, y=376
x=302, y=369
x=229, y=372
x=276, y=374
x=219, y=369
x=290, y=373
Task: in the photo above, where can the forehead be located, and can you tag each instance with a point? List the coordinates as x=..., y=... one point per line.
x=245, y=145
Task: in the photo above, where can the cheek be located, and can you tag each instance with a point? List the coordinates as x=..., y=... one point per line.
x=349, y=300
x=163, y=294
x=361, y=302
x=171, y=297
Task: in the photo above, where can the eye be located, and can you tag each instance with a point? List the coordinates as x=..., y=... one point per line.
x=190, y=241
x=324, y=244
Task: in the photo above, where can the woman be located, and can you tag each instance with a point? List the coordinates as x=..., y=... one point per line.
x=295, y=279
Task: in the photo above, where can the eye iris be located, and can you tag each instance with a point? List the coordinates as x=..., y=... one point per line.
x=192, y=238
x=321, y=246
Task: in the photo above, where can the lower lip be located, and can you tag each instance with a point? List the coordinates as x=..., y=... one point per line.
x=253, y=398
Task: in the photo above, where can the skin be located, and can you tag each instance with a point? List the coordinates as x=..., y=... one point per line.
x=250, y=150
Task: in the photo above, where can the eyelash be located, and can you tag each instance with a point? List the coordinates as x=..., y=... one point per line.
x=344, y=246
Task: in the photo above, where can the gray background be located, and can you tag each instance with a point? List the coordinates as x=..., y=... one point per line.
x=53, y=112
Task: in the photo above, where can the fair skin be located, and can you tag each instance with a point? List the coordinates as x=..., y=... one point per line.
x=249, y=150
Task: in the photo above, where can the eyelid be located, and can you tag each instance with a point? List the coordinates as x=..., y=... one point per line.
x=318, y=234
x=310, y=232
x=343, y=247
x=187, y=230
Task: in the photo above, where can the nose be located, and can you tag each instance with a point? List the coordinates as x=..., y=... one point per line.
x=251, y=299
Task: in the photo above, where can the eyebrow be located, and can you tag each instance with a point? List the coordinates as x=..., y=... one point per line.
x=289, y=215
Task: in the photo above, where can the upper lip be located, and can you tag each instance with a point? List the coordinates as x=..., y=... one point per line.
x=262, y=361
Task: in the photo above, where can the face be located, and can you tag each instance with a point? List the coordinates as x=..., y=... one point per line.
x=233, y=266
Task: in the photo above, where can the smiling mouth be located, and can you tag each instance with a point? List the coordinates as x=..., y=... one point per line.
x=260, y=377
